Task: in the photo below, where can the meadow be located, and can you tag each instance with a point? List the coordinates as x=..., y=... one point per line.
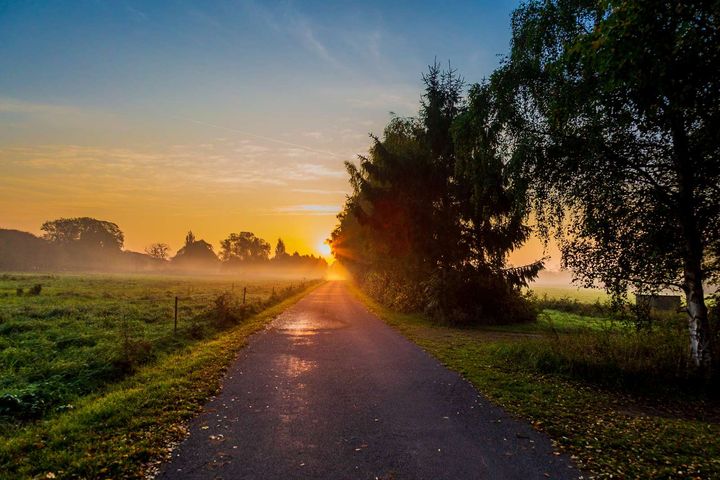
x=72, y=344
x=622, y=402
x=80, y=332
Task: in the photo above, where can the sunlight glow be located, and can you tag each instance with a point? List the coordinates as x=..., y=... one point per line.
x=324, y=249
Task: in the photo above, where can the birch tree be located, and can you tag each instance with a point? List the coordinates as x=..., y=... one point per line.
x=613, y=110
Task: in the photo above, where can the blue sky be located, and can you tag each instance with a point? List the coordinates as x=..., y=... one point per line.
x=102, y=90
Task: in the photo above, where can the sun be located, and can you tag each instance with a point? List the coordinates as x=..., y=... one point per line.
x=324, y=249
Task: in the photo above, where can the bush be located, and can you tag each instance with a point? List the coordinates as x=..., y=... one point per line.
x=470, y=297
x=35, y=289
x=223, y=312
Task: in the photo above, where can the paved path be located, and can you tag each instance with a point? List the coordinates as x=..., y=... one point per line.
x=332, y=392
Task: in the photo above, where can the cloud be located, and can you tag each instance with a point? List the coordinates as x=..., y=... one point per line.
x=12, y=105
x=319, y=191
x=305, y=209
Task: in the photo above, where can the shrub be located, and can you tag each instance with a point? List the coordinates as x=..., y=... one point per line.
x=35, y=289
x=469, y=297
x=224, y=313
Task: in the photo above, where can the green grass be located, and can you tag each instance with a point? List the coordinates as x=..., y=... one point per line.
x=97, y=424
x=610, y=432
x=556, y=292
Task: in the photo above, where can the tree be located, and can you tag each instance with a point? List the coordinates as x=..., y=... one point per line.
x=280, y=249
x=613, y=108
x=84, y=232
x=244, y=247
x=189, y=238
x=195, y=254
x=433, y=216
x=158, y=250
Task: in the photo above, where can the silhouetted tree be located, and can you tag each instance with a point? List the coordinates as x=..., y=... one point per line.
x=158, y=250
x=244, y=247
x=195, y=254
x=280, y=249
x=189, y=238
x=425, y=229
x=84, y=232
x=613, y=108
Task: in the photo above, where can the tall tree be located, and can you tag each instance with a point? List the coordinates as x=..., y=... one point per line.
x=408, y=232
x=614, y=111
x=280, y=251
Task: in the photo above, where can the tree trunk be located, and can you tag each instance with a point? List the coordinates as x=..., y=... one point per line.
x=698, y=324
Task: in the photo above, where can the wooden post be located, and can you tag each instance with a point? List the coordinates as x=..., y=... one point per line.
x=176, y=311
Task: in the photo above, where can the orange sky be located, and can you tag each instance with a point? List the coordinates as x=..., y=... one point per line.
x=216, y=187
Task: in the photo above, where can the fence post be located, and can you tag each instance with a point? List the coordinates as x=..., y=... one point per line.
x=176, y=312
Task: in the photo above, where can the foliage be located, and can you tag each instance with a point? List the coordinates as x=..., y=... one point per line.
x=84, y=232
x=195, y=254
x=432, y=217
x=158, y=250
x=280, y=251
x=244, y=247
x=611, y=111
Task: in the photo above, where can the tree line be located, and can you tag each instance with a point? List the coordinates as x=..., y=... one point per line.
x=599, y=129
x=89, y=244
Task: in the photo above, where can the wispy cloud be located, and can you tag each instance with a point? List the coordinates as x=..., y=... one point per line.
x=12, y=105
x=319, y=191
x=307, y=210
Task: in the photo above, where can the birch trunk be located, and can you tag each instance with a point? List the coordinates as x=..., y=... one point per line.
x=698, y=324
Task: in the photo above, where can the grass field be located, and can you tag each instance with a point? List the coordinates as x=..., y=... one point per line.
x=93, y=379
x=589, y=383
x=585, y=295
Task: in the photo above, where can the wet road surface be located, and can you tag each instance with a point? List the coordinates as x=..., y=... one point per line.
x=330, y=391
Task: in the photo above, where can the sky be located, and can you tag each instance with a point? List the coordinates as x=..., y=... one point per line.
x=214, y=116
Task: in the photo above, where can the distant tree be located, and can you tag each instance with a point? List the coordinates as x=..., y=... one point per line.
x=280, y=249
x=198, y=254
x=613, y=108
x=85, y=232
x=189, y=238
x=244, y=247
x=158, y=250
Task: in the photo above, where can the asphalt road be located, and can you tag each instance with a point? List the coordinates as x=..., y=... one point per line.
x=330, y=391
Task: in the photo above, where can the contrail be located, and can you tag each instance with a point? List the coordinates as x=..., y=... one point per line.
x=260, y=137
